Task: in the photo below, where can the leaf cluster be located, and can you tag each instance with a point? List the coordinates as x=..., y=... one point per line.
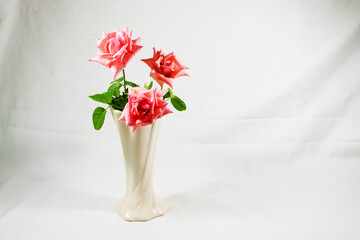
x=177, y=103
x=114, y=97
x=117, y=99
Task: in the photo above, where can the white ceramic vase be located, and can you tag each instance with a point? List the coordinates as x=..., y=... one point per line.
x=140, y=202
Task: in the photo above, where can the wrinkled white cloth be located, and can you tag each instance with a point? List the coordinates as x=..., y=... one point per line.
x=269, y=147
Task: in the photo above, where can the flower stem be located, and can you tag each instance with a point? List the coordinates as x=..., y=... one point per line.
x=123, y=72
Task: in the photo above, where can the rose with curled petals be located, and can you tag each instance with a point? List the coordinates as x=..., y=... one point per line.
x=116, y=49
x=144, y=107
x=165, y=67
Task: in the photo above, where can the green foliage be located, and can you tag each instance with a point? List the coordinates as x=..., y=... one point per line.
x=114, y=89
x=178, y=103
x=120, y=102
x=98, y=117
x=105, y=97
x=128, y=83
x=167, y=95
x=116, y=93
x=175, y=100
x=149, y=86
x=118, y=99
x=170, y=92
x=119, y=80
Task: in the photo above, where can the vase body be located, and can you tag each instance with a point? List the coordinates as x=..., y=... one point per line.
x=140, y=202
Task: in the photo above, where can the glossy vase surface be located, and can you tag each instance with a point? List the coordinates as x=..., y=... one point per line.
x=140, y=202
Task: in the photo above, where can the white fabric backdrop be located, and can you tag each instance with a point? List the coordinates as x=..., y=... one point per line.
x=268, y=149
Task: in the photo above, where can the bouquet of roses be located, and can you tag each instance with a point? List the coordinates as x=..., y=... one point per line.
x=140, y=106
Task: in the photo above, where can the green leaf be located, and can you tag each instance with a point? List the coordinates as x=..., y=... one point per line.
x=178, y=103
x=120, y=102
x=114, y=89
x=116, y=93
x=98, y=117
x=128, y=83
x=171, y=93
x=119, y=80
x=117, y=107
x=167, y=95
x=149, y=86
x=105, y=97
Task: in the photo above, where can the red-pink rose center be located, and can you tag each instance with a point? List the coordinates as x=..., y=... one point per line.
x=167, y=67
x=143, y=107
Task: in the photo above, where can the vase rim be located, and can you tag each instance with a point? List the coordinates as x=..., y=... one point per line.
x=115, y=110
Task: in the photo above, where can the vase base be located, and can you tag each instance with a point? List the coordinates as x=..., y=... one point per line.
x=133, y=210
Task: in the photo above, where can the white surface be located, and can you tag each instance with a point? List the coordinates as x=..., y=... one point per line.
x=140, y=202
x=268, y=149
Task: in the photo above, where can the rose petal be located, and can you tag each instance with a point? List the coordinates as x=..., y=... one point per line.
x=116, y=49
x=144, y=107
x=161, y=79
x=165, y=67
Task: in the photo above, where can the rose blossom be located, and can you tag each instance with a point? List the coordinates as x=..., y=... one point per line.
x=116, y=49
x=139, y=90
x=165, y=68
x=144, y=107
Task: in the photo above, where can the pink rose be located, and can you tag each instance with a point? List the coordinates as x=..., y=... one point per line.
x=136, y=90
x=165, y=68
x=139, y=90
x=144, y=107
x=116, y=49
